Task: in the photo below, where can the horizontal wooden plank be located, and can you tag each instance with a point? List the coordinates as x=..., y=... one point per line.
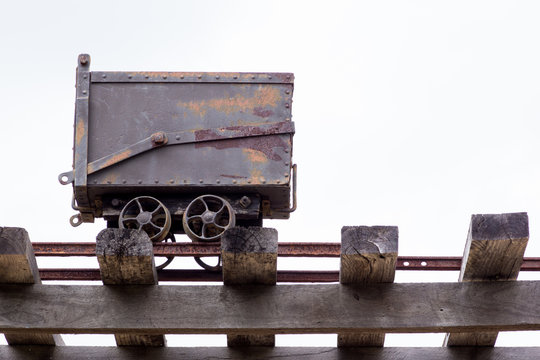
x=259, y=309
x=301, y=353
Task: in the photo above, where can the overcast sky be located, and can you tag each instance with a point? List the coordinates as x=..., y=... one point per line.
x=409, y=113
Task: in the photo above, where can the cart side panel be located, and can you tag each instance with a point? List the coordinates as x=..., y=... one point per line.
x=124, y=113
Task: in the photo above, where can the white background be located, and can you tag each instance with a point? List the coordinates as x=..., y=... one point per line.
x=408, y=113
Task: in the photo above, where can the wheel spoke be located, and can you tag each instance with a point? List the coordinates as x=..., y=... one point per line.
x=205, y=204
x=159, y=217
x=194, y=217
x=139, y=204
x=223, y=207
x=203, y=235
x=156, y=209
x=155, y=226
x=132, y=220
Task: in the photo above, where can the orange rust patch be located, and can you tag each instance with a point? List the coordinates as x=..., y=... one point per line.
x=152, y=73
x=255, y=155
x=113, y=160
x=111, y=179
x=264, y=96
x=256, y=175
x=80, y=132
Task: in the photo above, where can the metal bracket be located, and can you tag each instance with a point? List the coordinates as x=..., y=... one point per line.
x=266, y=209
x=66, y=178
x=266, y=206
x=161, y=138
x=294, y=203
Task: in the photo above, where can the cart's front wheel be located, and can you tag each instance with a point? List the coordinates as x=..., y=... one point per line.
x=148, y=214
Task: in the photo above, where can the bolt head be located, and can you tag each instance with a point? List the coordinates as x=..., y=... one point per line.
x=84, y=59
x=245, y=202
x=158, y=138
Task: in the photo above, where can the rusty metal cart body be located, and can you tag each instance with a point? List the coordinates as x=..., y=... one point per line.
x=177, y=136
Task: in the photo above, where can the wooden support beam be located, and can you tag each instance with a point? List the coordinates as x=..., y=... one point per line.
x=126, y=257
x=262, y=353
x=249, y=256
x=368, y=255
x=281, y=309
x=494, y=251
x=18, y=266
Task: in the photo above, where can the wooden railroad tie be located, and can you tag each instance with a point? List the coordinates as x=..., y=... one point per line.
x=18, y=266
x=368, y=256
x=493, y=252
x=126, y=257
x=250, y=257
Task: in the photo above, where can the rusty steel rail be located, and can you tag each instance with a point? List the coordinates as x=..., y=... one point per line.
x=305, y=249
x=300, y=249
x=189, y=275
x=283, y=276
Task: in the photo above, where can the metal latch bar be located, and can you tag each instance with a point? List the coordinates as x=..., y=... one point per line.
x=160, y=139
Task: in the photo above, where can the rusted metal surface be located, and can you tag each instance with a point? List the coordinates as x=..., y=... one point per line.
x=188, y=249
x=531, y=264
x=80, y=157
x=232, y=134
x=283, y=276
x=70, y=274
x=309, y=249
x=192, y=136
x=192, y=77
x=293, y=249
x=428, y=263
x=187, y=275
x=64, y=249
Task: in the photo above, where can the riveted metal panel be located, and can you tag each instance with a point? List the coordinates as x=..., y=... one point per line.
x=125, y=109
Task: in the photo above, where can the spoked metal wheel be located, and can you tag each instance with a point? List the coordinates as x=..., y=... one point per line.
x=148, y=214
x=205, y=219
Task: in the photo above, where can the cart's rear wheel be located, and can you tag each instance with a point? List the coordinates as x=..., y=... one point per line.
x=148, y=214
x=207, y=217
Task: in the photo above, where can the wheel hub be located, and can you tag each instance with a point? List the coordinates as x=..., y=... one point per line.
x=208, y=217
x=144, y=217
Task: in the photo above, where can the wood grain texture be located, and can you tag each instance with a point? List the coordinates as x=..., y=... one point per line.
x=249, y=256
x=368, y=255
x=18, y=266
x=17, y=261
x=259, y=309
x=127, y=257
x=494, y=251
x=261, y=353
